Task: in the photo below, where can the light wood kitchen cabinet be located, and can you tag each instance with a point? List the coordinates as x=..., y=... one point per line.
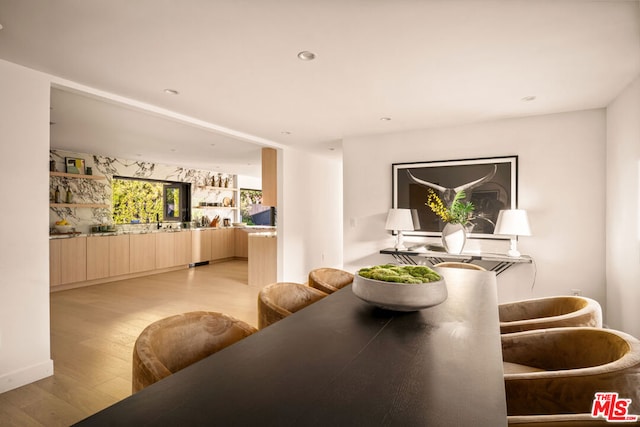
x=54, y=262
x=164, y=250
x=241, y=243
x=182, y=248
x=173, y=249
x=222, y=243
x=73, y=260
x=97, y=257
x=142, y=252
x=200, y=245
x=119, y=262
x=263, y=259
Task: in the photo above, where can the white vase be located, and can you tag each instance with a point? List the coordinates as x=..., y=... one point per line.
x=454, y=236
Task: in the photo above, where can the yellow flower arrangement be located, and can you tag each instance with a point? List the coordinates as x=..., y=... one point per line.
x=457, y=213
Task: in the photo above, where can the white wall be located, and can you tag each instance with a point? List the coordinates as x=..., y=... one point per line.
x=623, y=210
x=24, y=264
x=309, y=213
x=561, y=185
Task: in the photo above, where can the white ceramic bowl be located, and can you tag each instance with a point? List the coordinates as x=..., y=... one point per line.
x=64, y=228
x=399, y=296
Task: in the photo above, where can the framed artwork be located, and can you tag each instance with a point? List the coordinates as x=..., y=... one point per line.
x=489, y=183
x=74, y=165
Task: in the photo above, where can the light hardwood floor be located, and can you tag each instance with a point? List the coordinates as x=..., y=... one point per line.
x=93, y=330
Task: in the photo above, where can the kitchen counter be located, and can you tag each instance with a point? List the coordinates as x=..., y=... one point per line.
x=248, y=229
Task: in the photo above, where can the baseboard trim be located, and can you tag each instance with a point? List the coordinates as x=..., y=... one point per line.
x=24, y=376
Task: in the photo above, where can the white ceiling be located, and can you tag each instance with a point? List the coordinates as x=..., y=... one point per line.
x=422, y=63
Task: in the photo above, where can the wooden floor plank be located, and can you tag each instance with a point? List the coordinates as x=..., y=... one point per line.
x=93, y=330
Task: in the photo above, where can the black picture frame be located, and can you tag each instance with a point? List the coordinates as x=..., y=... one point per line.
x=490, y=183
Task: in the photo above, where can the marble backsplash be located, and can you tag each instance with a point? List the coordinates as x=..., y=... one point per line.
x=98, y=191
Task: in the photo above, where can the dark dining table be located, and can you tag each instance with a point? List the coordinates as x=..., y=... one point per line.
x=344, y=362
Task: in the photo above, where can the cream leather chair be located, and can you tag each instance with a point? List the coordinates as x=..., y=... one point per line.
x=173, y=343
x=329, y=280
x=279, y=300
x=549, y=312
x=559, y=370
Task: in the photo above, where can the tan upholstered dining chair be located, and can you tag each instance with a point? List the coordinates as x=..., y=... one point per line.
x=559, y=370
x=279, y=300
x=329, y=280
x=171, y=344
x=549, y=312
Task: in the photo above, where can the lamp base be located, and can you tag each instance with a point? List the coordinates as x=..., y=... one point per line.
x=513, y=250
x=513, y=253
x=400, y=242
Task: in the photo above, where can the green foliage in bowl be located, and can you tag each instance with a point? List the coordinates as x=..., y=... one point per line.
x=400, y=273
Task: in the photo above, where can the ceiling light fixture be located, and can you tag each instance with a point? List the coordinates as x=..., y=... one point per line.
x=171, y=92
x=285, y=132
x=528, y=98
x=305, y=55
x=385, y=119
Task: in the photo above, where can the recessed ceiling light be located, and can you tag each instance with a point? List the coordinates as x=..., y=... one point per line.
x=305, y=55
x=385, y=119
x=171, y=92
x=173, y=150
x=285, y=132
x=331, y=149
x=1, y=27
x=528, y=98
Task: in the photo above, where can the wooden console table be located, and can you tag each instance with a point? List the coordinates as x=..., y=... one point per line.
x=501, y=262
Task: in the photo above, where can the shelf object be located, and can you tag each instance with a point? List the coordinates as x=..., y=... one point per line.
x=75, y=175
x=216, y=207
x=78, y=205
x=502, y=261
x=210, y=187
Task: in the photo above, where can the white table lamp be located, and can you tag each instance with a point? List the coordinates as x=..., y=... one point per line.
x=399, y=220
x=513, y=222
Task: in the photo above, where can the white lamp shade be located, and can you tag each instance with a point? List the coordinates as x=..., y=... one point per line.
x=399, y=219
x=513, y=222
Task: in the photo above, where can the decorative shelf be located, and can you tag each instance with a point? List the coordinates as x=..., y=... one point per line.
x=78, y=205
x=76, y=175
x=210, y=187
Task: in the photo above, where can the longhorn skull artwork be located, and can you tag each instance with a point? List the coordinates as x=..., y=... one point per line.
x=449, y=193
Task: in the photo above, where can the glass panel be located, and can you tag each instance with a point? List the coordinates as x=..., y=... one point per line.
x=136, y=200
x=172, y=202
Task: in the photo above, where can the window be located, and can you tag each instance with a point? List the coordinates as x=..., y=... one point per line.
x=252, y=210
x=138, y=200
